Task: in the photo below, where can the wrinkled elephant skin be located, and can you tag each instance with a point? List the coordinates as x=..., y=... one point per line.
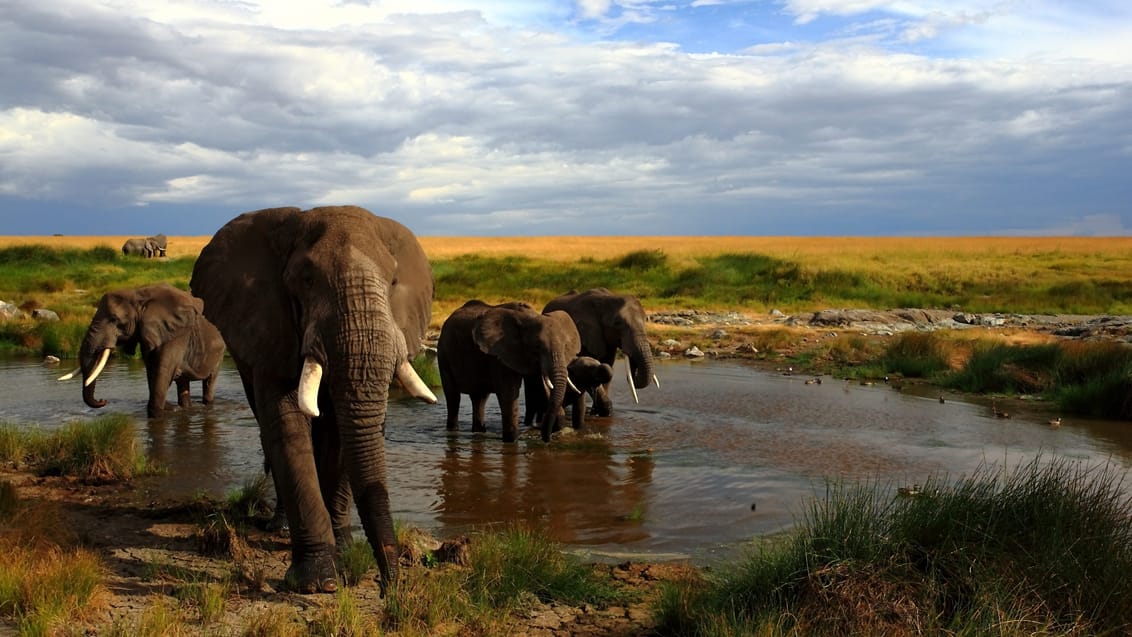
x=321, y=310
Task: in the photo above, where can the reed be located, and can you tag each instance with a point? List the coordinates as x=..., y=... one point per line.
x=1043, y=547
x=103, y=449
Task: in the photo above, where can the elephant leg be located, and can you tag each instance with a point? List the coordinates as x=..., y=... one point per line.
x=603, y=405
x=183, y=398
x=451, y=399
x=534, y=398
x=332, y=479
x=286, y=437
x=509, y=409
x=578, y=412
x=478, y=403
x=158, y=378
x=208, y=389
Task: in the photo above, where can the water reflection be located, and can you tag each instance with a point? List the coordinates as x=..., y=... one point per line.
x=676, y=474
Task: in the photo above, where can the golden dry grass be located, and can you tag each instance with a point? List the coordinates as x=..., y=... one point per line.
x=830, y=252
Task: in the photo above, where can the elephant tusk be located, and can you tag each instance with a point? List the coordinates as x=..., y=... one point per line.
x=70, y=375
x=97, y=368
x=656, y=380
x=629, y=377
x=546, y=384
x=309, y=381
x=573, y=386
x=413, y=383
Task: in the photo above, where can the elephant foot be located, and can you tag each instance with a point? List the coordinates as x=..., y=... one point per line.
x=479, y=428
x=313, y=574
x=510, y=435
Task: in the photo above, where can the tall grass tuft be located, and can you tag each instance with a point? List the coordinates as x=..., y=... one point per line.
x=424, y=364
x=100, y=450
x=916, y=355
x=1045, y=547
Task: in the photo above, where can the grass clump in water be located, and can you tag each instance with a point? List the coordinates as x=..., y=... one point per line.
x=1044, y=548
x=100, y=450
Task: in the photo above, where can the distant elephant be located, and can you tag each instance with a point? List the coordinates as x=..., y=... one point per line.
x=321, y=310
x=136, y=246
x=177, y=343
x=586, y=375
x=607, y=322
x=488, y=349
x=158, y=245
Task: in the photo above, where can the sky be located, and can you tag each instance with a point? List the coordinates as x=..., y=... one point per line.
x=587, y=117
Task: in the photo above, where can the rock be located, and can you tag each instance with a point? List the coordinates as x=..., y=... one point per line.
x=693, y=352
x=777, y=313
x=718, y=334
x=51, y=360
x=44, y=315
x=9, y=311
x=965, y=319
x=663, y=355
x=747, y=348
x=670, y=343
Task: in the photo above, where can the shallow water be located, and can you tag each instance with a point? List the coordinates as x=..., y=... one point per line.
x=723, y=452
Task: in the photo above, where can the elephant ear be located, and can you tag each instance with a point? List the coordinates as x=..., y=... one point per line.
x=411, y=288
x=239, y=276
x=562, y=323
x=165, y=312
x=500, y=333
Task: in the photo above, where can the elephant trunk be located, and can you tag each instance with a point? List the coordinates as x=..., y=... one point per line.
x=92, y=360
x=364, y=353
x=639, y=352
x=559, y=378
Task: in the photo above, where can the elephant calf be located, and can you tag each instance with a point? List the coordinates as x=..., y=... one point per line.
x=177, y=343
x=587, y=375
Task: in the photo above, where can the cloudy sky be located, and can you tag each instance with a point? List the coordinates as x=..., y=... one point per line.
x=588, y=117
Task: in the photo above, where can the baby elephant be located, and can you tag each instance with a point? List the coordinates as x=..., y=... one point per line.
x=177, y=343
x=587, y=375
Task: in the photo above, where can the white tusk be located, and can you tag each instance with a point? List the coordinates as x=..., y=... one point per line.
x=573, y=386
x=629, y=377
x=71, y=374
x=656, y=380
x=546, y=384
x=309, y=381
x=413, y=384
x=97, y=368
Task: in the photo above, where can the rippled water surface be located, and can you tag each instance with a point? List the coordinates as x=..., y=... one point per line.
x=721, y=453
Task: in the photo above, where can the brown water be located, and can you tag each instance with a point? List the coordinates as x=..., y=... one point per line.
x=675, y=476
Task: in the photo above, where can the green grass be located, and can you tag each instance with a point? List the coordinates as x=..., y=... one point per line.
x=70, y=282
x=103, y=449
x=1043, y=547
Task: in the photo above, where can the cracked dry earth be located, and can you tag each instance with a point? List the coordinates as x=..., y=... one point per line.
x=152, y=548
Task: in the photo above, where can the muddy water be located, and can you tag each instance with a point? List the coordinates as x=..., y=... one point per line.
x=721, y=453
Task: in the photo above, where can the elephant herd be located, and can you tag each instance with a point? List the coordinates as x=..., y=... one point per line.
x=147, y=247
x=320, y=311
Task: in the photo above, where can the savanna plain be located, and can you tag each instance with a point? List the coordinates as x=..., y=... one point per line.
x=1039, y=549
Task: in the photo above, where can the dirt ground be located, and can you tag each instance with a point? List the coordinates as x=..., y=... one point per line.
x=152, y=546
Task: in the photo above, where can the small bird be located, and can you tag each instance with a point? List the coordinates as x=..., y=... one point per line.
x=1055, y=423
x=941, y=400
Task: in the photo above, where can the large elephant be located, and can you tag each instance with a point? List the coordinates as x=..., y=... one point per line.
x=485, y=349
x=177, y=343
x=608, y=322
x=321, y=310
x=586, y=374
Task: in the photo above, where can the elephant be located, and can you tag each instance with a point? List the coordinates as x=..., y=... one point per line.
x=608, y=322
x=488, y=349
x=136, y=246
x=586, y=374
x=178, y=344
x=321, y=310
x=147, y=247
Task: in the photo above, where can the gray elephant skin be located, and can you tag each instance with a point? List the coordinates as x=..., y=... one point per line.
x=321, y=310
x=488, y=349
x=147, y=247
x=587, y=374
x=607, y=322
x=178, y=344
